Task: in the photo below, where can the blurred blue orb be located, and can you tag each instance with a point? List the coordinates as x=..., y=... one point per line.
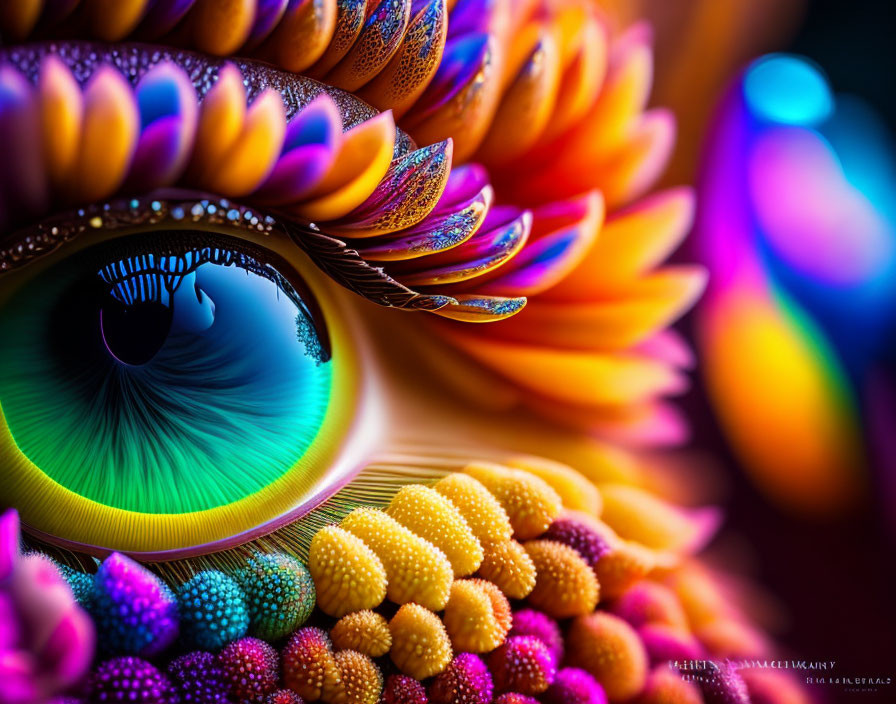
x=787, y=89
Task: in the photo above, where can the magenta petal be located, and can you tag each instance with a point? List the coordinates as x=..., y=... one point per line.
x=267, y=15
x=9, y=542
x=69, y=649
x=158, y=155
x=162, y=16
x=295, y=175
x=17, y=678
x=464, y=184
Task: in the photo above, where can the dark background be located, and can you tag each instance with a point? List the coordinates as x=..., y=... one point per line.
x=835, y=579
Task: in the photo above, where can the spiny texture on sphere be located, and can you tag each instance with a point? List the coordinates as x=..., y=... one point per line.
x=722, y=684
x=420, y=646
x=309, y=667
x=650, y=602
x=283, y=696
x=507, y=565
x=580, y=538
x=626, y=564
x=198, y=679
x=514, y=698
x=523, y=664
x=480, y=509
x=401, y=689
x=529, y=622
x=575, y=489
x=348, y=574
x=530, y=502
x=280, y=594
x=574, y=686
x=466, y=680
x=565, y=585
x=249, y=667
x=212, y=609
x=361, y=678
x=610, y=650
x=132, y=680
x=477, y=616
x=667, y=686
x=364, y=631
x=416, y=570
x=434, y=518
x=134, y=612
x=79, y=581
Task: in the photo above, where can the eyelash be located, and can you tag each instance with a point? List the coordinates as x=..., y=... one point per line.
x=343, y=264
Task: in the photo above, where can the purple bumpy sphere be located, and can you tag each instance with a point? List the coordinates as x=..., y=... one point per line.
x=466, y=680
x=132, y=680
x=198, y=679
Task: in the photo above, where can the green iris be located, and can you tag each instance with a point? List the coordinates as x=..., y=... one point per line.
x=164, y=379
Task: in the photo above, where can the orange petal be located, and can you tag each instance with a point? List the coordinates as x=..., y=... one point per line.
x=112, y=20
x=220, y=27
x=62, y=111
x=221, y=117
x=302, y=35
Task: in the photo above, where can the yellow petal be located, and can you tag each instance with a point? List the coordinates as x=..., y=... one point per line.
x=109, y=134
x=254, y=153
x=221, y=117
x=220, y=27
x=302, y=35
x=571, y=376
x=61, y=109
x=362, y=162
x=112, y=20
x=630, y=243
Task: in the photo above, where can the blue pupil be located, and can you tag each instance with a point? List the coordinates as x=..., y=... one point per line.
x=162, y=381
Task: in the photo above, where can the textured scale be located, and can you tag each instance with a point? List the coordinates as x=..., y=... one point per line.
x=420, y=646
x=524, y=665
x=279, y=592
x=508, y=566
x=130, y=679
x=435, y=519
x=610, y=650
x=574, y=489
x=364, y=631
x=250, y=668
x=480, y=509
x=347, y=574
x=477, y=616
x=213, y=610
x=416, y=570
x=530, y=503
x=309, y=667
x=565, y=585
x=362, y=680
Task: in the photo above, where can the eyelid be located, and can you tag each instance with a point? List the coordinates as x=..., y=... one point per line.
x=357, y=193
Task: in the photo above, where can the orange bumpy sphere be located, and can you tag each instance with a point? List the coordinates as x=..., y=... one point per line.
x=364, y=631
x=434, y=518
x=420, y=645
x=625, y=564
x=347, y=574
x=666, y=686
x=309, y=668
x=362, y=680
x=565, y=585
x=507, y=565
x=416, y=570
x=530, y=502
x=608, y=648
x=477, y=616
x=480, y=509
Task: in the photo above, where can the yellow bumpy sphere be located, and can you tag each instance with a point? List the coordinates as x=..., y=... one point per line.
x=434, y=518
x=507, y=565
x=364, y=631
x=347, y=574
x=477, y=616
x=362, y=681
x=608, y=648
x=565, y=585
x=480, y=509
x=575, y=490
x=420, y=646
x=530, y=502
x=416, y=570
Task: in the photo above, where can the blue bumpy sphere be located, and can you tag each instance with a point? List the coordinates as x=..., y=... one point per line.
x=213, y=610
x=280, y=594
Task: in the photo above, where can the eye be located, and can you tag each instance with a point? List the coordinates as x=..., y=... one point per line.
x=170, y=389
